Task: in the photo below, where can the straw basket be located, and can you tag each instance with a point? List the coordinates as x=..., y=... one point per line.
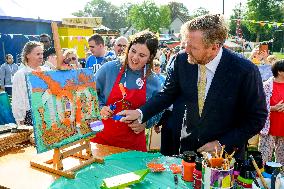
x=10, y=140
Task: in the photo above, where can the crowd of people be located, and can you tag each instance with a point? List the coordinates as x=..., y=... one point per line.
x=199, y=95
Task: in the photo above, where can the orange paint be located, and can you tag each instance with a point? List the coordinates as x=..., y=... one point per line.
x=122, y=89
x=156, y=167
x=176, y=169
x=78, y=115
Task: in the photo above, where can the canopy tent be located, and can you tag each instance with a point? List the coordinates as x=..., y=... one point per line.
x=231, y=44
x=12, y=8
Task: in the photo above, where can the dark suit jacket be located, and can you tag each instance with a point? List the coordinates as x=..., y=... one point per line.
x=234, y=109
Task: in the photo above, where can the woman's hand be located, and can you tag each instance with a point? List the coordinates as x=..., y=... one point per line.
x=106, y=112
x=137, y=127
x=279, y=107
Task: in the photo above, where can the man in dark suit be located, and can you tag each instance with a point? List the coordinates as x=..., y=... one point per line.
x=223, y=92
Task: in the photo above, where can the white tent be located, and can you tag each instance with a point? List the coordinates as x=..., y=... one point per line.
x=14, y=9
x=231, y=44
x=102, y=27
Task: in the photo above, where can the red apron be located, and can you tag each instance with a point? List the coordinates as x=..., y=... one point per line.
x=119, y=134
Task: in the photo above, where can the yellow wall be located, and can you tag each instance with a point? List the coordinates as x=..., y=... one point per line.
x=75, y=38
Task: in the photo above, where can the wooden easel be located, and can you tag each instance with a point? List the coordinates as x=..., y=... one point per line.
x=75, y=150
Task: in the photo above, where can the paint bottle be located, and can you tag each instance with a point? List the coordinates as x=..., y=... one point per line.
x=197, y=173
x=188, y=165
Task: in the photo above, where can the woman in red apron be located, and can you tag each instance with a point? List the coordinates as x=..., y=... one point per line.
x=123, y=86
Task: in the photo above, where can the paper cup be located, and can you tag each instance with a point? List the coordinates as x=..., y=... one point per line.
x=213, y=178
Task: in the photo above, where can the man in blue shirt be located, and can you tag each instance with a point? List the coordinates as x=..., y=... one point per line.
x=99, y=54
x=157, y=70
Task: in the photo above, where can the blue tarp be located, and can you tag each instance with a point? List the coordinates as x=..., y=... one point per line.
x=15, y=32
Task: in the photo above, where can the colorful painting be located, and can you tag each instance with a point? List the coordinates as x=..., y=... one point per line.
x=64, y=107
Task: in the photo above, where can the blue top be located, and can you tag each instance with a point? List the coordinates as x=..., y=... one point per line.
x=265, y=71
x=100, y=60
x=162, y=79
x=105, y=78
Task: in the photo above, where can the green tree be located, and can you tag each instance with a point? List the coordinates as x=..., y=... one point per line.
x=264, y=10
x=239, y=13
x=112, y=16
x=200, y=11
x=178, y=10
x=149, y=16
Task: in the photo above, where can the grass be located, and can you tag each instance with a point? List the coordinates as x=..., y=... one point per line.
x=279, y=55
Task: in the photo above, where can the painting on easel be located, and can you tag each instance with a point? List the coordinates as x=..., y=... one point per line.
x=64, y=107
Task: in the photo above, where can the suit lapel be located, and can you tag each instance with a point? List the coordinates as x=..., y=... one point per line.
x=219, y=83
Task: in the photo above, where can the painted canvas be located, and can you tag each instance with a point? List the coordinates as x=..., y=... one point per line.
x=64, y=107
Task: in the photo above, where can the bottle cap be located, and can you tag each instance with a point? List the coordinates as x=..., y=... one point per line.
x=189, y=156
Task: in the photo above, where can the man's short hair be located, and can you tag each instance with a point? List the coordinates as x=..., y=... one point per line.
x=97, y=38
x=45, y=35
x=212, y=26
x=119, y=38
x=7, y=55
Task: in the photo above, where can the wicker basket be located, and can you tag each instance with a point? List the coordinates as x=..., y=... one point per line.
x=10, y=140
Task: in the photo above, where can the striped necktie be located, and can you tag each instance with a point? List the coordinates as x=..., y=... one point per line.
x=201, y=87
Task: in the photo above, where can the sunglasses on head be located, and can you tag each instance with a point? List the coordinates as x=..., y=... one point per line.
x=68, y=60
x=120, y=45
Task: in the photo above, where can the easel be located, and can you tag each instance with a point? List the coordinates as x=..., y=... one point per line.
x=75, y=150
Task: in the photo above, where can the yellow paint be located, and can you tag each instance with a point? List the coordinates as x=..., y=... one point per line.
x=75, y=38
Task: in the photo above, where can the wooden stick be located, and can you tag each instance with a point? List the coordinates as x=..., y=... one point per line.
x=222, y=151
x=59, y=55
x=232, y=154
x=216, y=152
x=258, y=172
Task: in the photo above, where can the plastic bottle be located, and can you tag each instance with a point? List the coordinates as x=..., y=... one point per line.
x=197, y=174
x=188, y=165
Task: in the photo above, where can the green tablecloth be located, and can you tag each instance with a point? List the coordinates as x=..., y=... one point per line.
x=92, y=175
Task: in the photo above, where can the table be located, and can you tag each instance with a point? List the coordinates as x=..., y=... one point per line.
x=16, y=172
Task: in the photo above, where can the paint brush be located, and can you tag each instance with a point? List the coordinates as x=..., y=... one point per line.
x=216, y=152
x=254, y=180
x=258, y=172
x=222, y=151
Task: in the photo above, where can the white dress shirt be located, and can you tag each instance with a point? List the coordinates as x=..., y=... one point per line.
x=210, y=70
x=20, y=100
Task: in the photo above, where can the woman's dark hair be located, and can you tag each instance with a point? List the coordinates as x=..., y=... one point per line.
x=150, y=40
x=278, y=66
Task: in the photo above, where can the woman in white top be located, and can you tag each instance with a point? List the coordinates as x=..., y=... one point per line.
x=32, y=58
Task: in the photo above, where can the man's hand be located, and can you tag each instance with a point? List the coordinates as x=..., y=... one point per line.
x=106, y=112
x=130, y=115
x=210, y=147
x=137, y=127
x=279, y=107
